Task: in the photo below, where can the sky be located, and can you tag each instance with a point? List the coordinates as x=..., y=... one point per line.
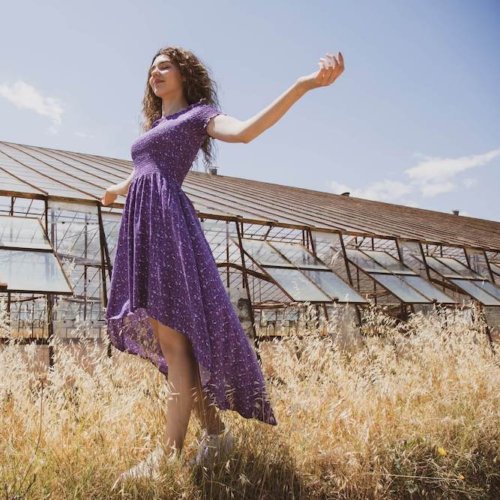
x=413, y=120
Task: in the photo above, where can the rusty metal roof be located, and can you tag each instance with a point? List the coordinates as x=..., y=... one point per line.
x=58, y=175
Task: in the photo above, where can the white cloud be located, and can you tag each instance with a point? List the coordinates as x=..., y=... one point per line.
x=339, y=188
x=428, y=190
x=469, y=182
x=435, y=175
x=24, y=95
x=83, y=135
x=385, y=190
x=432, y=176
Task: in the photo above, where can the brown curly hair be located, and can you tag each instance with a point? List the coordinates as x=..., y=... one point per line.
x=197, y=85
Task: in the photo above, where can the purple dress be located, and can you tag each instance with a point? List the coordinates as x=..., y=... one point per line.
x=164, y=268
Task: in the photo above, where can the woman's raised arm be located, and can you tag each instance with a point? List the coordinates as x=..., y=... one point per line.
x=229, y=129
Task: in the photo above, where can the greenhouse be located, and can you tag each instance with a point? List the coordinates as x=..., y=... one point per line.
x=287, y=255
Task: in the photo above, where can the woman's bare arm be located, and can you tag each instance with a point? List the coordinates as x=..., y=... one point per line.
x=122, y=187
x=229, y=129
x=114, y=190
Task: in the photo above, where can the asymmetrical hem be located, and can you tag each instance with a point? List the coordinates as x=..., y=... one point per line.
x=164, y=268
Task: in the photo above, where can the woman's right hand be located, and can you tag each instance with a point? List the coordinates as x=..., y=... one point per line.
x=111, y=194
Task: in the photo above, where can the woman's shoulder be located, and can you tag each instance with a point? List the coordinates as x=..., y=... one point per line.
x=206, y=111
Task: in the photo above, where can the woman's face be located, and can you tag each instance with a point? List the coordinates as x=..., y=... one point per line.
x=165, y=77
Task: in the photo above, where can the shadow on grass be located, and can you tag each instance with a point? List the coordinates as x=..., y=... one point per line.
x=246, y=475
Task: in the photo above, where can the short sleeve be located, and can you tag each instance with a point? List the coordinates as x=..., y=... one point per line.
x=206, y=112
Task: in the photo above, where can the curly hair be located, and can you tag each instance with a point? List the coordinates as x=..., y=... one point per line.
x=197, y=85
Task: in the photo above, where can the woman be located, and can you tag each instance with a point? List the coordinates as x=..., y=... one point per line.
x=167, y=302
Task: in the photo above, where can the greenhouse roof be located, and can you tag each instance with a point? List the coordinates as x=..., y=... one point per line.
x=66, y=176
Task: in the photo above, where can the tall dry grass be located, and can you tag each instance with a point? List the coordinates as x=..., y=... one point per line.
x=413, y=413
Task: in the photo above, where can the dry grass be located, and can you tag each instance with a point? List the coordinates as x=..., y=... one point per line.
x=413, y=413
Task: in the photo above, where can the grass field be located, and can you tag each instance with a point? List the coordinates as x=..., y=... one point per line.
x=413, y=413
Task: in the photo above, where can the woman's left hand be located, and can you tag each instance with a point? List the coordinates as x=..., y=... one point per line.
x=331, y=68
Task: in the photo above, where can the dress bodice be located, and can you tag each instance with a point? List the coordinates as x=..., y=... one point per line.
x=172, y=144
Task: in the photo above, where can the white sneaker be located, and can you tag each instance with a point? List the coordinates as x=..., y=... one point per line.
x=213, y=447
x=149, y=467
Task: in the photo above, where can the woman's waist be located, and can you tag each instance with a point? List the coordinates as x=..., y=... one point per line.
x=148, y=170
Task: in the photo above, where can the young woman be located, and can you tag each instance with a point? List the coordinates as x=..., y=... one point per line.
x=167, y=302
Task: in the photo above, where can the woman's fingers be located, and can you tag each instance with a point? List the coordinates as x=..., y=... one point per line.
x=330, y=68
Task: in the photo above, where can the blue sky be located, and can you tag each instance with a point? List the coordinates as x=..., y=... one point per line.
x=414, y=119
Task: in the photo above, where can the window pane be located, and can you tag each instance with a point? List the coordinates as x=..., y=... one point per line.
x=27, y=271
x=365, y=262
x=476, y=292
x=263, y=253
x=297, y=285
x=22, y=232
x=331, y=284
x=460, y=268
x=401, y=289
x=489, y=287
x=441, y=268
x=389, y=262
x=428, y=289
x=298, y=254
x=495, y=268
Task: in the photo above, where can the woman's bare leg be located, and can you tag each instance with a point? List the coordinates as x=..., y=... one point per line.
x=182, y=381
x=206, y=413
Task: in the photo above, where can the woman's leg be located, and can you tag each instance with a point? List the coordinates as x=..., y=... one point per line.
x=205, y=412
x=181, y=377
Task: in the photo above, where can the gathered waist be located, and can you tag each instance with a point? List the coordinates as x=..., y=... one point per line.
x=148, y=170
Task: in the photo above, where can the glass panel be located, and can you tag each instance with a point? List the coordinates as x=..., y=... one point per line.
x=389, y=262
x=298, y=254
x=331, y=284
x=263, y=253
x=489, y=287
x=22, y=232
x=51, y=186
x=297, y=285
x=63, y=173
x=11, y=184
x=26, y=271
x=427, y=289
x=229, y=204
x=476, y=292
x=495, y=268
x=460, y=268
x=365, y=262
x=401, y=289
x=441, y=268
